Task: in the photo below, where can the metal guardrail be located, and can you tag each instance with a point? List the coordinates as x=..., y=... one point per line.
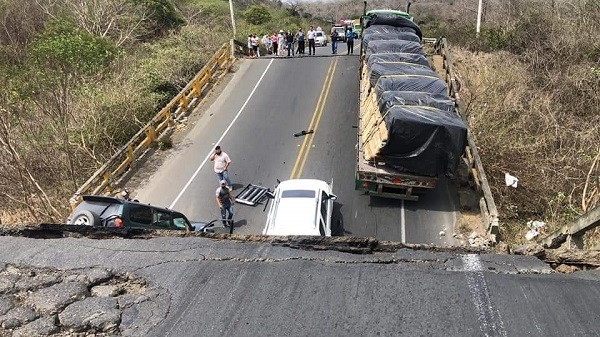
x=487, y=205
x=573, y=234
x=161, y=124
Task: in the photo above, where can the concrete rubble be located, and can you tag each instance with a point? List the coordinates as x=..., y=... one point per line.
x=81, y=302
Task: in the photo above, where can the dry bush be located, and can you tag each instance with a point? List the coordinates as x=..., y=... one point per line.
x=534, y=111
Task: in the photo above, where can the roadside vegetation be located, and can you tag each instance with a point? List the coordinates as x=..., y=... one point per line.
x=531, y=81
x=81, y=77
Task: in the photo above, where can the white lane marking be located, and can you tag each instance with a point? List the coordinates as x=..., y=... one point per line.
x=490, y=322
x=402, y=222
x=222, y=136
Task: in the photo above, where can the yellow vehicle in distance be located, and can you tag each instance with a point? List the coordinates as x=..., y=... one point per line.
x=357, y=28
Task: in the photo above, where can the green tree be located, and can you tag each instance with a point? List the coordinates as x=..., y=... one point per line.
x=67, y=51
x=257, y=15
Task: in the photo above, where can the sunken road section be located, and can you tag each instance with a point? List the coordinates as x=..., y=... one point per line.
x=564, y=261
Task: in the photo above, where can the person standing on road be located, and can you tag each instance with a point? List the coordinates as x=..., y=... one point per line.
x=267, y=43
x=225, y=201
x=350, y=41
x=289, y=39
x=281, y=43
x=222, y=163
x=301, y=42
x=311, y=41
x=255, y=48
x=274, y=44
x=334, y=41
x=250, y=50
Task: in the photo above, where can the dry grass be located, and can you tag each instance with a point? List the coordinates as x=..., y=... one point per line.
x=525, y=130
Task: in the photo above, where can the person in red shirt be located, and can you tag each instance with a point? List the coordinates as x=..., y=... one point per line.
x=274, y=44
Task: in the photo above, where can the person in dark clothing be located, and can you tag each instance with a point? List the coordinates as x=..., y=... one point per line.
x=350, y=41
x=301, y=47
x=289, y=40
x=334, y=40
x=225, y=202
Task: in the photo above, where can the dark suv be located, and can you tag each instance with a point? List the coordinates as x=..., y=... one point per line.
x=100, y=211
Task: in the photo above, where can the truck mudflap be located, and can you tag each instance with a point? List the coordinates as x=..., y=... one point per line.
x=393, y=186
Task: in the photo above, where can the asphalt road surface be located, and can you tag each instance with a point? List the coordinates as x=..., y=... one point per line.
x=254, y=120
x=220, y=288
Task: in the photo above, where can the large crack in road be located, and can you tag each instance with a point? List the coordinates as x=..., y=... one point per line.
x=560, y=260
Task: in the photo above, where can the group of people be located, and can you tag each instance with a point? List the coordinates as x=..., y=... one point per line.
x=278, y=44
x=224, y=197
x=349, y=35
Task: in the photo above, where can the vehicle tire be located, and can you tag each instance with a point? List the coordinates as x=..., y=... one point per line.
x=86, y=218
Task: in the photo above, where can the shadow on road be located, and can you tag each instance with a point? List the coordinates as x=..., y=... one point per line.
x=444, y=198
x=236, y=186
x=337, y=220
x=239, y=223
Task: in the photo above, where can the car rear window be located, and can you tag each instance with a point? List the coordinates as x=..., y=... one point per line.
x=319, y=34
x=298, y=194
x=102, y=209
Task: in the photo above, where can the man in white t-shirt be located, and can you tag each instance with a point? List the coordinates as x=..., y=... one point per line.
x=255, y=47
x=281, y=43
x=222, y=163
x=311, y=41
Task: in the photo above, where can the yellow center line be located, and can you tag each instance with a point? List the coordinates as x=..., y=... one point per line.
x=316, y=126
x=310, y=125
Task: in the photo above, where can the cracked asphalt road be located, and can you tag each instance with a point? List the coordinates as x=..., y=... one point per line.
x=228, y=288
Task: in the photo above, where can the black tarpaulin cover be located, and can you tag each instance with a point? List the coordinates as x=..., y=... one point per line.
x=392, y=20
x=398, y=57
x=393, y=46
x=384, y=29
x=431, y=84
x=397, y=68
x=389, y=99
x=423, y=140
x=406, y=36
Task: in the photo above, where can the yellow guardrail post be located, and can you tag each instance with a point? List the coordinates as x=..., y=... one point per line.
x=196, y=89
x=106, y=177
x=130, y=157
x=171, y=121
x=183, y=102
x=151, y=134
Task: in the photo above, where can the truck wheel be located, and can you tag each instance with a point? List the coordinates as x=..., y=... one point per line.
x=86, y=218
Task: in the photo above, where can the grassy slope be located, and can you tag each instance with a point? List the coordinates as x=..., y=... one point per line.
x=106, y=109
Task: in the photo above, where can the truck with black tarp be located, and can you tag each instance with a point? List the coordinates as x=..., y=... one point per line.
x=409, y=133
